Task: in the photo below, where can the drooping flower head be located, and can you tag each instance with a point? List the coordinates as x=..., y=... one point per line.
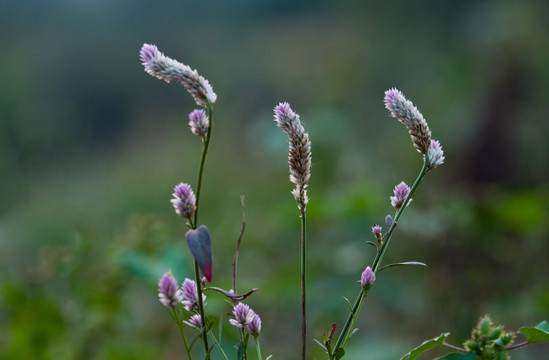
x=162, y=67
x=368, y=277
x=184, y=201
x=190, y=295
x=243, y=315
x=199, y=122
x=299, y=157
x=168, y=292
x=435, y=154
x=406, y=113
x=401, y=191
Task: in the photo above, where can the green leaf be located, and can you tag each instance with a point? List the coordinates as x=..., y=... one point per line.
x=402, y=264
x=201, y=247
x=425, y=346
x=339, y=354
x=458, y=356
x=536, y=334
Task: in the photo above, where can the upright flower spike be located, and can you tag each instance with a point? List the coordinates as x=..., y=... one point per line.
x=406, y=113
x=299, y=158
x=195, y=321
x=243, y=315
x=435, y=153
x=199, y=122
x=184, y=201
x=377, y=230
x=401, y=191
x=162, y=67
x=254, y=327
x=168, y=292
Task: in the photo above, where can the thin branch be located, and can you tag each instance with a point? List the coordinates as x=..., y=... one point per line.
x=235, y=262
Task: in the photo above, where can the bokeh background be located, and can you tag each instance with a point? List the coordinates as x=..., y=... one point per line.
x=91, y=147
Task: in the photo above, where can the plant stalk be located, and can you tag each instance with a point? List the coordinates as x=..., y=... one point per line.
x=303, y=288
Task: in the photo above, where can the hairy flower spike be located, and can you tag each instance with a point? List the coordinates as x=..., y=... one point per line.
x=435, y=153
x=184, y=201
x=195, y=321
x=377, y=230
x=168, y=292
x=406, y=113
x=199, y=122
x=299, y=158
x=401, y=191
x=190, y=295
x=162, y=67
x=367, y=279
x=254, y=327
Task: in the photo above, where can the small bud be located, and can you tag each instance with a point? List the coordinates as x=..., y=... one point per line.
x=367, y=279
x=435, y=153
x=377, y=230
x=184, y=201
x=388, y=220
x=401, y=191
x=199, y=122
x=168, y=292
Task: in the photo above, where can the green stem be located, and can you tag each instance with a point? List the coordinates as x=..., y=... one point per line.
x=180, y=326
x=219, y=347
x=344, y=335
x=258, y=348
x=201, y=310
x=303, y=288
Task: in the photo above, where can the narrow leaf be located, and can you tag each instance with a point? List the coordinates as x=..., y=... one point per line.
x=403, y=264
x=320, y=344
x=201, y=248
x=231, y=295
x=339, y=354
x=458, y=356
x=536, y=334
x=425, y=346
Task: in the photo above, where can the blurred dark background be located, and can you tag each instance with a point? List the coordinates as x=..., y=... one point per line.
x=91, y=147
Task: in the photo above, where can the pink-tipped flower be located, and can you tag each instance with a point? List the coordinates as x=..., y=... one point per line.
x=162, y=67
x=367, y=279
x=190, y=295
x=184, y=201
x=254, y=327
x=435, y=154
x=406, y=113
x=199, y=122
x=168, y=292
x=195, y=321
x=377, y=230
x=401, y=191
x=299, y=158
x=243, y=315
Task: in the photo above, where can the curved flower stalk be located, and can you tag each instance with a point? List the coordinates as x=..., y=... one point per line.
x=433, y=156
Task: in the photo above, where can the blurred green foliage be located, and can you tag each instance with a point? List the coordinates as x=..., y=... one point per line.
x=91, y=147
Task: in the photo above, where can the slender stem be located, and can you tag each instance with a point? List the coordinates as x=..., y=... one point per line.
x=216, y=343
x=180, y=326
x=518, y=346
x=379, y=257
x=235, y=261
x=201, y=309
x=303, y=288
x=453, y=347
x=258, y=348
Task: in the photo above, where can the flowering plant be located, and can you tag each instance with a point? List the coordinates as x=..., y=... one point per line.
x=187, y=302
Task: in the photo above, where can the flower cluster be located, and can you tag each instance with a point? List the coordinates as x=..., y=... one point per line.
x=184, y=201
x=245, y=317
x=168, y=292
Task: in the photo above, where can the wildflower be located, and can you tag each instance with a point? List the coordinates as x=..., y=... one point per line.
x=184, y=201
x=254, y=327
x=168, y=292
x=401, y=191
x=199, y=122
x=406, y=113
x=243, y=315
x=162, y=67
x=435, y=153
x=376, y=230
x=299, y=157
x=367, y=279
x=190, y=295
x=195, y=321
